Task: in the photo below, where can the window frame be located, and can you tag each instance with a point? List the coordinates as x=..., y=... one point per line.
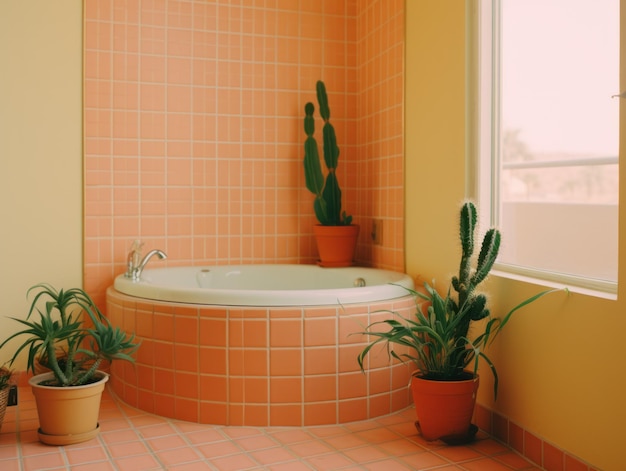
x=482, y=92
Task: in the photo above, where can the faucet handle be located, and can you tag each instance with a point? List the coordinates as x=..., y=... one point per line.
x=134, y=258
x=136, y=246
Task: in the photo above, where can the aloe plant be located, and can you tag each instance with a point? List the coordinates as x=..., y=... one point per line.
x=5, y=378
x=436, y=340
x=327, y=203
x=59, y=325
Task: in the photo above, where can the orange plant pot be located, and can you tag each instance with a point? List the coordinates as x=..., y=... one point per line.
x=445, y=408
x=336, y=244
x=67, y=415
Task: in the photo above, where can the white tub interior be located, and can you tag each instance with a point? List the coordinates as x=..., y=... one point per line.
x=267, y=285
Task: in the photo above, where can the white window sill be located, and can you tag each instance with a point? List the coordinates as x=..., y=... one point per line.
x=587, y=287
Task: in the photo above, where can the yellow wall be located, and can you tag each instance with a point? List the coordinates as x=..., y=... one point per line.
x=40, y=151
x=561, y=362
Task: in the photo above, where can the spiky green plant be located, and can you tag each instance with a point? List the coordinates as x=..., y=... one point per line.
x=327, y=203
x=437, y=339
x=60, y=325
x=5, y=377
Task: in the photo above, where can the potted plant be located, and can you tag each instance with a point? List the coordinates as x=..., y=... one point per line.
x=335, y=234
x=438, y=344
x=74, y=381
x=5, y=386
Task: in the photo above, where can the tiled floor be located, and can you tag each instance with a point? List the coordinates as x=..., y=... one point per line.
x=134, y=440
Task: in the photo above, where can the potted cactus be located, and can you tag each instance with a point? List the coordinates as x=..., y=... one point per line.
x=438, y=341
x=68, y=396
x=335, y=234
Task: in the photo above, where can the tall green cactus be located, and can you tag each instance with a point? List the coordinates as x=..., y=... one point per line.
x=465, y=284
x=327, y=193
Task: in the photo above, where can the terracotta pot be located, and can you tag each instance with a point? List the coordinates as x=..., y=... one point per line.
x=67, y=414
x=336, y=244
x=445, y=408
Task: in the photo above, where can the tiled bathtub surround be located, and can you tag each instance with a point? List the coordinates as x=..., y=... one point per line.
x=257, y=366
x=193, y=128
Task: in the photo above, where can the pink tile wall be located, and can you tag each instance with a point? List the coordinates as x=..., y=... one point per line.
x=380, y=114
x=193, y=128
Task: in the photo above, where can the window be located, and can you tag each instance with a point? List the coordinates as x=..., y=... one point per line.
x=548, y=136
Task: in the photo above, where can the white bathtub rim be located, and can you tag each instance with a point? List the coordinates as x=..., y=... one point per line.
x=397, y=288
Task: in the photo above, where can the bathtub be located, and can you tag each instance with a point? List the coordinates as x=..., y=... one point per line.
x=259, y=345
x=266, y=285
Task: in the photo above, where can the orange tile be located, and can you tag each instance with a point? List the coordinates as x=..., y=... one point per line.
x=329, y=312
x=516, y=437
x=212, y=360
x=352, y=410
x=272, y=456
x=213, y=332
x=515, y=460
x=186, y=385
x=286, y=332
x=500, y=428
x=256, y=415
x=400, y=399
x=235, y=361
x=235, y=333
x=213, y=388
x=573, y=464
x=348, y=358
x=164, y=381
x=136, y=462
x=145, y=377
x=379, y=405
x=284, y=390
x=285, y=362
x=255, y=333
x=352, y=385
x=426, y=460
x=320, y=388
x=285, y=313
x=186, y=358
x=235, y=414
x=533, y=447
x=177, y=456
x=255, y=390
x=186, y=409
x=379, y=381
x=320, y=360
x=553, y=458
x=146, y=400
x=128, y=448
x=310, y=448
x=213, y=413
x=79, y=456
x=144, y=323
x=482, y=417
x=163, y=327
x=320, y=413
x=256, y=362
x=164, y=405
x=320, y=332
x=164, y=351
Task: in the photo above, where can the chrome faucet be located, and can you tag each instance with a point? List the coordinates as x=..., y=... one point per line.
x=136, y=264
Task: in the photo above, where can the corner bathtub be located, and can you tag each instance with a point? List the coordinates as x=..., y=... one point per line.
x=259, y=344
